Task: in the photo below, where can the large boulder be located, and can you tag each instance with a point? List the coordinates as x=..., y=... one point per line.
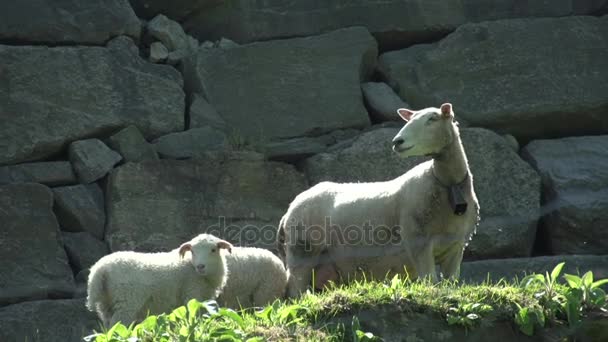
x=508, y=222
x=61, y=94
x=574, y=173
x=52, y=173
x=395, y=23
x=80, y=208
x=287, y=88
x=132, y=145
x=59, y=22
x=83, y=250
x=47, y=320
x=192, y=143
x=517, y=268
x=34, y=264
x=158, y=205
x=522, y=77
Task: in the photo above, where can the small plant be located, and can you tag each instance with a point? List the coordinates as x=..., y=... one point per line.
x=528, y=318
x=549, y=298
x=467, y=315
x=583, y=294
x=360, y=335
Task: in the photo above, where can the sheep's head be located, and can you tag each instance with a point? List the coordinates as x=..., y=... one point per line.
x=426, y=132
x=206, y=253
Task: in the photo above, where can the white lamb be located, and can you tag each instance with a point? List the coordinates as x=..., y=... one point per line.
x=409, y=224
x=256, y=277
x=125, y=286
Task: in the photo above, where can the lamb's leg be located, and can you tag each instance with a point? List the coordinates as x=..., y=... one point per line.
x=126, y=315
x=450, y=263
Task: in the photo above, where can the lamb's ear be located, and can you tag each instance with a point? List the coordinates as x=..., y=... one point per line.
x=184, y=248
x=446, y=110
x=405, y=114
x=225, y=245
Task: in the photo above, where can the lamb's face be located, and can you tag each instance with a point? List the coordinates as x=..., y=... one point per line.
x=206, y=254
x=427, y=131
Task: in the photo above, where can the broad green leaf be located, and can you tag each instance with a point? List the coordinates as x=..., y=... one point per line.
x=472, y=316
x=193, y=307
x=232, y=315
x=588, y=279
x=573, y=281
x=597, y=296
x=556, y=271
x=599, y=283
x=532, y=279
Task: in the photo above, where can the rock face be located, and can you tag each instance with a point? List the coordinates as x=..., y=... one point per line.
x=80, y=208
x=132, y=145
x=47, y=173
x=34, y=264
x=574, y=174
x=287, y=88
x=508, y=222
x=516, y=76
x=203, y=114
x=92, y=159
x=76, y=92
x=191, y=143
x=477, y=271
x=393, y=22
x=159, y=205
x=175, y=9
x=66, y=21
x=47, y=320
x=83, y=250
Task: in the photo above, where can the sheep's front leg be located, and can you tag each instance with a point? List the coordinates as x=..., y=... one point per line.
x=450, y=263
x=423, y=257
x=300, y=268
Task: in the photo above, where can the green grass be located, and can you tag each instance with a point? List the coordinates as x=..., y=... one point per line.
x=313, y=316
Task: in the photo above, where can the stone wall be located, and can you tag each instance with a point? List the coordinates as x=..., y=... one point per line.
x=136, y=125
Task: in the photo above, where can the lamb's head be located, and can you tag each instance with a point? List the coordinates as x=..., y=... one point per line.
x=426, y=132
x=206, y=251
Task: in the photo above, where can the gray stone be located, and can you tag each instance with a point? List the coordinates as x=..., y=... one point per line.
x=203, y=114
x=66, y=21
x=574, y=173
x=508, y=222
x=395, y=23
x=158, y=205
x=226, y=43
x=517, y=268
x=508, y=190
x=92, y=159
x=175, y=57
x=83, y=250
x=522, y=76
x=80, y=208
x=78, y=92
x=382, y=101
x=34, y=264
x=158, y=52
x=292, y=87
x=169, y=32
x=175, y=9
x=293, y=149
x=47, y=173
x=132, y=145
x=65, y=320
x=195, y=142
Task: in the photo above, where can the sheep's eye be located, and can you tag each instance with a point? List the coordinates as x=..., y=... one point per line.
x=213, y=250
x=432, y=118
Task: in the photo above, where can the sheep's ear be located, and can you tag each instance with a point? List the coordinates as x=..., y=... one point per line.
x=184, y=248
x=446, y=110
x=405, y=114
x=225, y=245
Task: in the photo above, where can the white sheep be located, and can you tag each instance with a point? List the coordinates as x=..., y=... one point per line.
x=256, y=277
x=126, y=286
x=409, y=224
